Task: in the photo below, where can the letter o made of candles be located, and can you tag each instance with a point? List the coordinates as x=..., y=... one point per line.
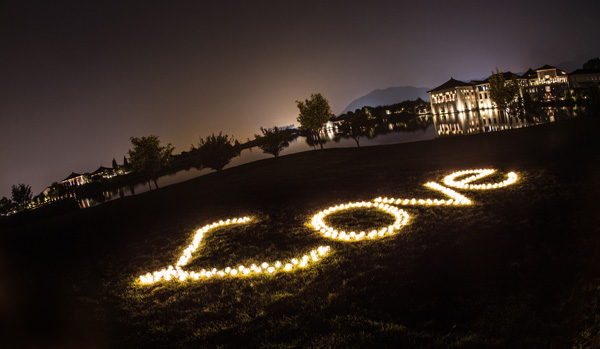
x=401, y=219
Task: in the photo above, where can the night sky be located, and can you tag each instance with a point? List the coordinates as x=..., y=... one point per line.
x=78, y=78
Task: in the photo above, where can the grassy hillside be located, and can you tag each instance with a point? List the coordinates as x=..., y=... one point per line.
x=518, y=268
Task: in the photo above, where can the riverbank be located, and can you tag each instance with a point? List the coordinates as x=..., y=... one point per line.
x=518, y=268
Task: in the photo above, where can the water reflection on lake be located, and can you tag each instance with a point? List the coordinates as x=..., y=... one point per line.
x=491, y=120
x=254, y=154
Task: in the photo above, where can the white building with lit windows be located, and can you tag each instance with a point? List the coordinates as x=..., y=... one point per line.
x=452, y=107
x=459, y=107
x=74, y=180
x=546, y=83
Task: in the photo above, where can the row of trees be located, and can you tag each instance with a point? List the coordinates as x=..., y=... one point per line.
x=408, y=107
x=148, y=157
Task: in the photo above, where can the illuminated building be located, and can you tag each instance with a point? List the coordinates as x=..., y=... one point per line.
x=546, y=83
x=459, y=107
x=103, y=172
x=452, y=107
x=74, y=180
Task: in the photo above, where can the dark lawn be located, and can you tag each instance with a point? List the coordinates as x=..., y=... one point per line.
x=519, y=268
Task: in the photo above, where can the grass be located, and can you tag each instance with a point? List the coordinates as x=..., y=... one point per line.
x=359, y=220
x=519, y=268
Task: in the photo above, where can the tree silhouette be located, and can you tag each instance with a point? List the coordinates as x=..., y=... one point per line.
x=148, y=157
x=355, y=125
x=505, y=92
x=314, y=114
x=115, y=166
x=126, y=165
x=6, y=205
x=217, y=151
x=312, y=140
x=57, y=191
x=273, y=140
x=21, y=195
x=39, y=198
x=593, y=63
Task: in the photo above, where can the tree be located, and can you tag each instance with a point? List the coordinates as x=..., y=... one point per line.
x=312, y=141
x=21, y=195
x=6, y=205
x=39, y=198
x=314, y=114
x=217, y=151
x=529, y=108
x=505, y=93
x=57, y=191
x=592, y=102
x=148, y=157
x=273, y=140
x=115, y=166
x=126, y=165
x=355, y=124
x=593, y=63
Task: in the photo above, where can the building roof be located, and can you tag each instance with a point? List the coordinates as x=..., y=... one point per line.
x=452, y=83
x=507, y=76
x=546, y=67
x=549, y=67
x=101, y=169
x=478, y=82
x=71, y=176
x=530, y=74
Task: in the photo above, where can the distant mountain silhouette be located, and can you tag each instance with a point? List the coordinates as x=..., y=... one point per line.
x=388, y=96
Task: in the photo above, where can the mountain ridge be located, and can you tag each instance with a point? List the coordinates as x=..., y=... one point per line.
x=387, y=96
